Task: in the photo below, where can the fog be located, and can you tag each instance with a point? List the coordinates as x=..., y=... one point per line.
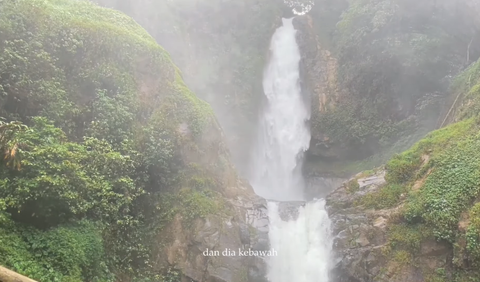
x=110, y=160
x=221, y=47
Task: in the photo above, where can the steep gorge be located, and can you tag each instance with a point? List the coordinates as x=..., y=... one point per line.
x=379, y=74
x=113, y=169
x=221, y=48
x=356, y=60
x=153, y=184
x=414, y=219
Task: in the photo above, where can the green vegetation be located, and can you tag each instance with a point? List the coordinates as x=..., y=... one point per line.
x=448, y=190
x=440, y=178
x=70, y=252
x=99, y=136
x=473, y=234
x=407, y=237
x=58, y=180
x=386, y=72
x=195, y=204
x=221, y=47
x=467, y=87
x=353, y=186
x=103, y=145
x=386, y=197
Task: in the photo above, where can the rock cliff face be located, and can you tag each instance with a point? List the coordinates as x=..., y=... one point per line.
x=362, y=244
x=95, y=73
x=359, y=235
x=416, y=219
x=319, y=82
x=370, y=79
x=245, y=227
x=221, y=48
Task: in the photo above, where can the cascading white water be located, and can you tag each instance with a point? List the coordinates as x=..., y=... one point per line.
x=303, y=245
x=283, y=133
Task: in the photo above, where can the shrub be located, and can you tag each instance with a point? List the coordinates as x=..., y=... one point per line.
x=72, y=252
x=386, y=197
x=60, y=180
x=449, y=189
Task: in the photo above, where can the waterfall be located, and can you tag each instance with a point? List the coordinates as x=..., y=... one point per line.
x=283, y=132
x=303, y=243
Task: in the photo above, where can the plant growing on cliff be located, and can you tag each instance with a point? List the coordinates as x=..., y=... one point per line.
x=198, y=204
x=386, y=196
x=448, y=189
x=172, y=275
x=353, y=186
x=111, y=126
x=446, y=180
x=9, y=144
x=58, y=178
x=385, y=75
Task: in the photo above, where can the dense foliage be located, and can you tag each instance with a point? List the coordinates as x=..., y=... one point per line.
x=466, y=88
x=100, y=136
x=59, y=180
x=221, y=47
x=436, y=183
x=394, y=62
x=70, y=252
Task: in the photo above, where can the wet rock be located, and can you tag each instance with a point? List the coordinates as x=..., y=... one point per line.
x=433, y=248
x=244, y=234
x=262, y=242
x=360, y=238
x=257, y=215
x=289, y=210
x=378, y=179
x=222, y=274
x=380, y=222
x=185, y=244
x=257, y=273
x=319, y=187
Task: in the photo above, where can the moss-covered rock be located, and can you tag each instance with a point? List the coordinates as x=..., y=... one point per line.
x=427, y=206
x=117, y=105
x=376, y=85
x=221, y=48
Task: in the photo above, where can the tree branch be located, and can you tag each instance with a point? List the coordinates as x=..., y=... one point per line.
x=7, y=275
x=468, y=51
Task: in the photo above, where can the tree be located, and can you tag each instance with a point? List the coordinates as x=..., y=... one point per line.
x=300, y=7
x=8, y=143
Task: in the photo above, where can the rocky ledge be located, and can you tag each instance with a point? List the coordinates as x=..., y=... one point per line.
x=192, y=249
x=358, y=239
x=360, y=245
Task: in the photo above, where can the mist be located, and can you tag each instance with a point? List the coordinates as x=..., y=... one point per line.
x=222, y=47
x=183, y=140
